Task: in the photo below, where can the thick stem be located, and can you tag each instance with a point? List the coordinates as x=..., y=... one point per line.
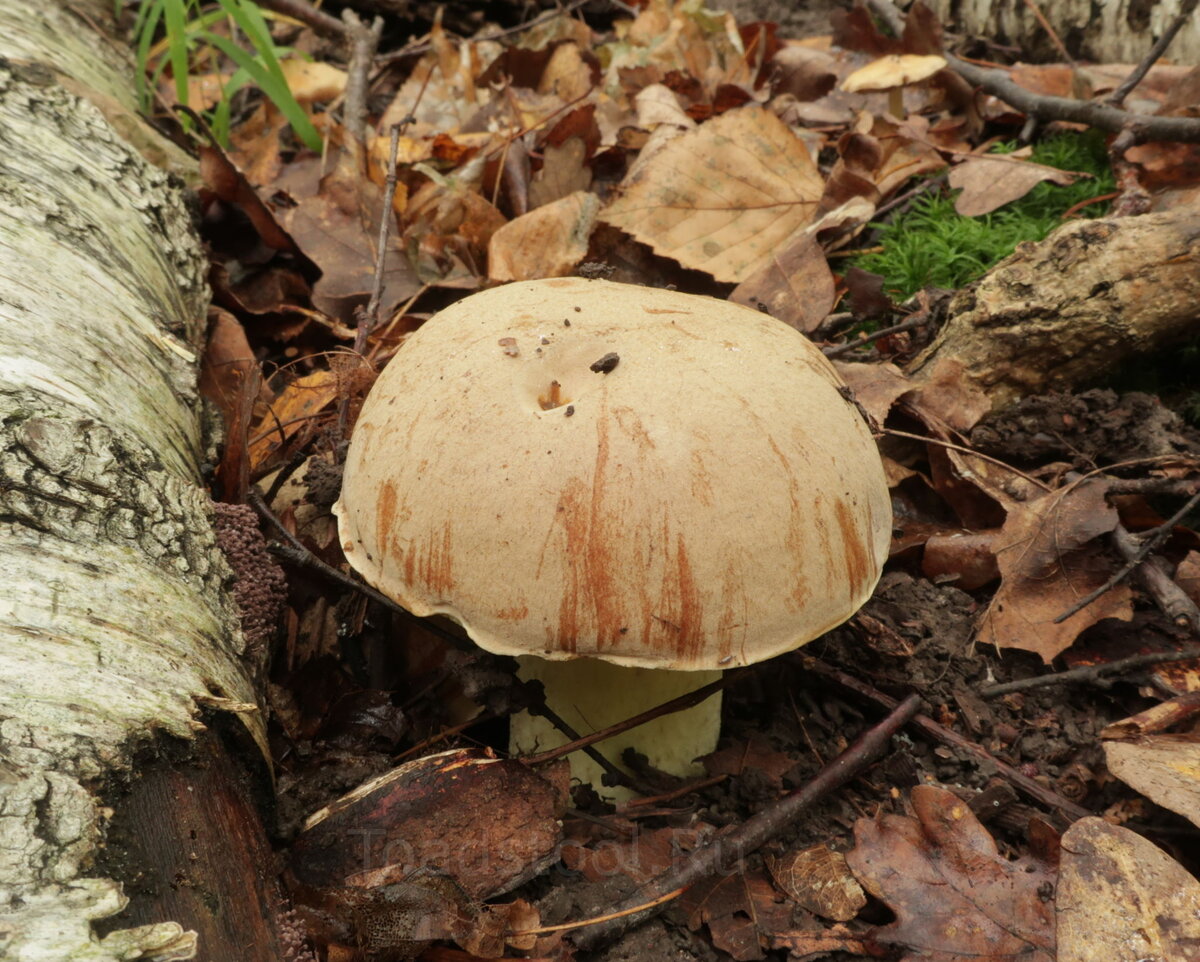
x=591, y=695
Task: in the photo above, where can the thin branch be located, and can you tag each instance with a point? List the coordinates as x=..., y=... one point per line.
x=364, y=44
x=370, y=317
x=1091, y=674
x=1023, y=783
x=1141, y=127
x=309, y=15
x=1154, y=576
x=1160, y=46
x=1148, y=542
x=910, y=324
x=667, y=708
x=723, y=853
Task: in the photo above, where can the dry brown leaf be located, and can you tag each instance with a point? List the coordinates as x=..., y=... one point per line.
x=291, y=412
x=486, y=822
x=563, y=172
x=794, y=285
x=723, y=197
x=1164, y=768
x=547, y=242
x=1121, y=897
x=876, y=386
x=755, y=753
x=741, y=911
x=640, y=856
x=657, y=104
x=955, y=897
x=312, y=81
x=566, y=75
x=335, y=221
x=820, y=880
x=989, y=183
x=1047, y=563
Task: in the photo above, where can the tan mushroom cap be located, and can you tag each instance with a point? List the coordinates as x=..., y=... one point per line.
x=893, y=70
x=573, y=467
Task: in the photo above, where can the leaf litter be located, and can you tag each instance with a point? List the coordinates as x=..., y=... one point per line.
x=676, y=146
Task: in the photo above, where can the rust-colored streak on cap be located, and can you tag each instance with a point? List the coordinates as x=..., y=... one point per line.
x=709, y=501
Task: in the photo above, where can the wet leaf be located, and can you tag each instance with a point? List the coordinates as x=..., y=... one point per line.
x=1121, y=897
x=955, y=897
x=1048, y=561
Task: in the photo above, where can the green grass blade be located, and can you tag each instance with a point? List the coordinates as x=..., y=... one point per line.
x=273, y=86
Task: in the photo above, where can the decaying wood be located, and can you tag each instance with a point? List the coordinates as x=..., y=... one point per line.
x=116, y=631
x=1065, y=311
x=1119, y=31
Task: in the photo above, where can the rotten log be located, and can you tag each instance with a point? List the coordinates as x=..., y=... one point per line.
x=1065, y=311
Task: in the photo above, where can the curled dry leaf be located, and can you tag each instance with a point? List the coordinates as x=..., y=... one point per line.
x=1121, y=897
x=954, y=895
x=658, y=104
x=820, y=880
x=562, y=174
x=547, y=242
x=1164, y=768
x=1048, y=561
x=722, y=198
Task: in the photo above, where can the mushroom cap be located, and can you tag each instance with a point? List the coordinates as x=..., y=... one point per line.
x=574, y=467
x=893, y=70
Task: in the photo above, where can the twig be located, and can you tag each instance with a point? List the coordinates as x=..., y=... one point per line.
x=1033, y=789
x=364, y=44
x=606, y=917
x=1177, y=487
x=910, y=324
x=618, y=777
x=1148, y=542
x=723, y=853
x=369, y=319
x=306, y=13
x=1140, y=127
x=667, y=708
x=1117, y=97
x=1091, y=674
x=1155, y=578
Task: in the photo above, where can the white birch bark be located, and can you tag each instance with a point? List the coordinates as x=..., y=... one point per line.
x=1106, y=31
x=114, y=626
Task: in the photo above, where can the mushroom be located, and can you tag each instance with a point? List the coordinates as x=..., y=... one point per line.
x=630, y=489
x=892, y=73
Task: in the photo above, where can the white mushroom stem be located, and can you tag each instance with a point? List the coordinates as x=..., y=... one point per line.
x=591, y=695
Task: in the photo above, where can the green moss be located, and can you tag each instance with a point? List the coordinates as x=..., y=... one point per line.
x=931, y=245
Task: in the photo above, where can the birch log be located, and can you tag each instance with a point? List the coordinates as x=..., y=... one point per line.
x=1105, y=31
x=115, y=629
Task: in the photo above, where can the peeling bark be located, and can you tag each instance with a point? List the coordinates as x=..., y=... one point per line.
x=1065, y=311
x=1106, y=31
x=115, y=627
